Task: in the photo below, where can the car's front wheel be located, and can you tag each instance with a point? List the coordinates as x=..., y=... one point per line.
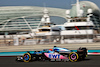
x=26, y=57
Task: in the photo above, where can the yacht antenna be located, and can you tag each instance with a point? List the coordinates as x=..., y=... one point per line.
x=45, y=18
x=44, y=5
x=78, y=8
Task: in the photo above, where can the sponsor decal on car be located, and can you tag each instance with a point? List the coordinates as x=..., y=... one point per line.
x=56, y=56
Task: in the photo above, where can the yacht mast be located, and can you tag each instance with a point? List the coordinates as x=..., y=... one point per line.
x=78, y=8
x=46, y=18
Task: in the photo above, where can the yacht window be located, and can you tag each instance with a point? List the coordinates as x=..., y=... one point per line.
x=78, y=20
x=91, y=16
x=85, y=27
x=70, y=28
x=44, y=30
x=40, y=37
x=79, y=27
x=84, y=20
x=71, y=20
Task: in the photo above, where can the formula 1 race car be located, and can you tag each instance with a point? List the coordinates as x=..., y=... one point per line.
x=55, y=54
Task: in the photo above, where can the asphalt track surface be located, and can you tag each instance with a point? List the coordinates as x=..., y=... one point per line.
x=90, y=61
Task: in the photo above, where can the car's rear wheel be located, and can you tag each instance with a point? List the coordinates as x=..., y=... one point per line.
x=73, y=56
x=26, y=57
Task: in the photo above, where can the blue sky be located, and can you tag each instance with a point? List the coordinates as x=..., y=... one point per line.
x=64, y=4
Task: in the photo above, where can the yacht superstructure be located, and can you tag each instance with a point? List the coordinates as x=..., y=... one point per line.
x=46, y=30
x=78, y=29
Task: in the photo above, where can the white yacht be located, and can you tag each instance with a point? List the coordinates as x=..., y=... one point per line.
x=46, y=31
x=77, y=29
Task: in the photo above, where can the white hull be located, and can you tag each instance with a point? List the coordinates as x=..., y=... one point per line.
x=77, y=41
x=47, y=33
x=77, y=32
x=19, y=36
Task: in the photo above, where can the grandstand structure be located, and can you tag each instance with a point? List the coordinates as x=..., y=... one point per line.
x=15, y=19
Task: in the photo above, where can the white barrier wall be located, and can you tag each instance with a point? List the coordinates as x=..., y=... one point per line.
x=77, y=41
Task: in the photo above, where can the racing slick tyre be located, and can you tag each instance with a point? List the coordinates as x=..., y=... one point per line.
x=73, y=56
x=26, y=57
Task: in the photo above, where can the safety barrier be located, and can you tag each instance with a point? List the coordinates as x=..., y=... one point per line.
x=4, y=54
